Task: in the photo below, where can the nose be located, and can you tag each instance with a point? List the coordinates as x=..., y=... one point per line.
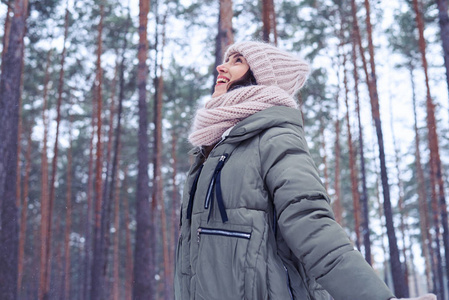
x=221, y=68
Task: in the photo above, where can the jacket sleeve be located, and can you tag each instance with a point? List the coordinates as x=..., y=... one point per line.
x=306, y=221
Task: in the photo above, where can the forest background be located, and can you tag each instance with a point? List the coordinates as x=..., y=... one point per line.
x=97, y=99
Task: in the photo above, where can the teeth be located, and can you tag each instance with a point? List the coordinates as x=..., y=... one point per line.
x=224, y=80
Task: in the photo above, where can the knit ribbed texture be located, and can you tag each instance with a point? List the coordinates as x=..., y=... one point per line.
x=223, y=112
x=272, y=66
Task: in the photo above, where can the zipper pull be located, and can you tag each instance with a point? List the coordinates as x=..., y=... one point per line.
x=198, y=232
x=223, y=157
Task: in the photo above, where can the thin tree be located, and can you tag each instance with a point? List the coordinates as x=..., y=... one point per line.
x=269, y=22
x=116, y=258
x=436, y=177
x=97, y=285
x=402, y=213
x=143, y=267
x=352, y=162
x=422, y=198
x=225, y=34
x=24, y=213
x=68, y=223
x=337, y=207
x=9, y=119
x=44, y=182
x=47, y=254
x=129, y=256
x=397, y=274
x=364, y=195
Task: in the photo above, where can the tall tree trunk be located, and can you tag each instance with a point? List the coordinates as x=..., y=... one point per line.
x=143, y=266
x=68, y=223
x=443, y=20
x=402, y=213
x=352, y=163
x=175, y=200
x=398, y=276
x=436, y=178
x=422, y=197
x=23, y=217
x=337, y=206
x=47, y=273
x=9, y=118
x=116, y=257
x=44, y=183
x=89, y=222
x=225, y=34
x=129, y=255
x=364, y=195
x=269, y=22
x=158, y=197
x=98, y=284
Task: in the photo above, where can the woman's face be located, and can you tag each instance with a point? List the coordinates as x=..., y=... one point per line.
x=234, y=68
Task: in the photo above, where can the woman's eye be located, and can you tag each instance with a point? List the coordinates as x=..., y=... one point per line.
x=238, y=60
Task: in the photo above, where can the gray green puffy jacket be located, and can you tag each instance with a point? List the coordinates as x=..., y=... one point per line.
x=256, y=222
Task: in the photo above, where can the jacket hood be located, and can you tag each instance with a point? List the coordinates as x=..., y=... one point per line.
x=276, y=116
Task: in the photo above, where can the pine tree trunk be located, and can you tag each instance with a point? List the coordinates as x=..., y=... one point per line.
x=422, y=197
x=402, y=213
x=266, y=22
x=175, y=201
x=337, y=206
x=398, y=276
x=68, y=223
x=116, y=258
x=89, y=212
x=9, y=118
x=443, y=19
x=23, y=217
x=143, y=267
x=98, y=281
x=436, y=179
x=225, y=35
x=352, y=164
x=324, y=154
x=364, y=196
x=129, y=255
x=44, y=184
x=47, y=273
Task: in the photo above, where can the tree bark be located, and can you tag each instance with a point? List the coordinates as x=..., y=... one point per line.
x=6, y=31
x=129, y=255
x=116, y=257
x=143, y=267
x=9, y=118
x=337, y=206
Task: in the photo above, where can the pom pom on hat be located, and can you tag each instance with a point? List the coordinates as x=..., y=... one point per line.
x=272, y=66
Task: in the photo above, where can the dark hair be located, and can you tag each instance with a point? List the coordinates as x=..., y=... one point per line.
x=246, y=80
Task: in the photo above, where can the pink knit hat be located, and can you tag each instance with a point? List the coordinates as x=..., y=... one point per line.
x=272, y=66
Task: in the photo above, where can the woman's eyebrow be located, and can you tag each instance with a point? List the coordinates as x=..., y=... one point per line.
x=234, y=56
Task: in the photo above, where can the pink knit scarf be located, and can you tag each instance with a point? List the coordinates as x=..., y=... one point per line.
x=223, y=112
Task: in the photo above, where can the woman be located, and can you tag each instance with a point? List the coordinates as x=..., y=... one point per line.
x=255, y=220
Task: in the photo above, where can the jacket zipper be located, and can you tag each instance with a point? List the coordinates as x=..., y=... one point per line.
x=222, y=232
x=210, y=189
x=288, y=282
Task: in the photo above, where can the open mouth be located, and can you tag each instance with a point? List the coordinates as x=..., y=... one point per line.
x=222, y=80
